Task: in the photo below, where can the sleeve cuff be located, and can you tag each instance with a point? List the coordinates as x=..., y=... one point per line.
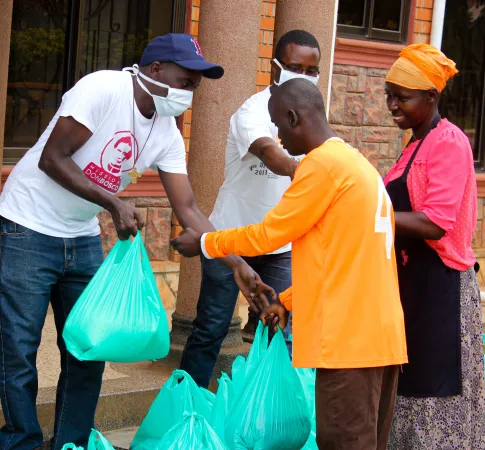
x=182, y=170
x=445, y=224
x=80, y=119
x=286, y=299
x=202, y=246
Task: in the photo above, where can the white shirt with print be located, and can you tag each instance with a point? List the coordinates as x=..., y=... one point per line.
x=103, y=103
x=250, y=190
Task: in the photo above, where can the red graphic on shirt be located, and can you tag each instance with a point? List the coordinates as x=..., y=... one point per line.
x=123, y=151
x=118, y=155
x=197, y=47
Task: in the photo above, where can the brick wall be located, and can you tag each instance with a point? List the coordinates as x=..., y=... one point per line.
x=422, y=24
x=359, y=115
x=266, y=37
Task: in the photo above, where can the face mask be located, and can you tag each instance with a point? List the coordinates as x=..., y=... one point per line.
x=174, y=104
x=286, y=75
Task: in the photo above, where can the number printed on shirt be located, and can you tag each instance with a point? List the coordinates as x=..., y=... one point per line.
x=383, y=224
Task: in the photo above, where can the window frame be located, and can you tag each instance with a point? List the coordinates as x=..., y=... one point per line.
x=368, y=33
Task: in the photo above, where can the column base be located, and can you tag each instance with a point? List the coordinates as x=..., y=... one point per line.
x=232, y=347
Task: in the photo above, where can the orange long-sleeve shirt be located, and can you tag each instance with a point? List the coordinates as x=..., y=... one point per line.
x=345, y=297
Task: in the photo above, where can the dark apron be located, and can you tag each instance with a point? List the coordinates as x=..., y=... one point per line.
x=430, y=296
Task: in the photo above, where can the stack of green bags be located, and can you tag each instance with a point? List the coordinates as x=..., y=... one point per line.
x=266, y=405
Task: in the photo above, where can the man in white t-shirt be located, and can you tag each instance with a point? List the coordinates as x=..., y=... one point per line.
x=111, y=126
x=258, y=171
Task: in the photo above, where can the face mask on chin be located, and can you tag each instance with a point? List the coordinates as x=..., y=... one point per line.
x=174, y=104
x=286, y=75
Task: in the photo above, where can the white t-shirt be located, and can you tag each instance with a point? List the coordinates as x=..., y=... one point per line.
x=250, y=189
x=102, y=102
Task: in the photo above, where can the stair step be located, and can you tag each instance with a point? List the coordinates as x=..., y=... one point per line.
x=121, y=439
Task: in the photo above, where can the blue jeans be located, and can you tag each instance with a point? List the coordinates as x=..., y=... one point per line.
x=215, y=307
x=36, y=269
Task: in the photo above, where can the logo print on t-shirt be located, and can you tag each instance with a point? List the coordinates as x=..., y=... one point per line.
x=121, y=151
x=118, y=155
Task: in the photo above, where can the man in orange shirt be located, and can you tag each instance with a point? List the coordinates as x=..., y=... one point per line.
x=347, y=315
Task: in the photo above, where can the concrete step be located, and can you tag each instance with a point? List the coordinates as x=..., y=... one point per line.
x=121, y=439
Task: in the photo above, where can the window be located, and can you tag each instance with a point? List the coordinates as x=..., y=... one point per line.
x=463, y=100
x=35, y=72
x=53, y=44
x=382, y=20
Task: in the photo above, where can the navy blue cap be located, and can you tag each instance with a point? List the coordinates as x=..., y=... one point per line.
x=182, y=49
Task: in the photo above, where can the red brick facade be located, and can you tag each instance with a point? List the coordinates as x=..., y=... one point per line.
x=422, y=23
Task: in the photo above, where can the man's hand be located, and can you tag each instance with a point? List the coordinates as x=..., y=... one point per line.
x=274, y=315
x=126, y=218
x=188, y=243
x=252, y=287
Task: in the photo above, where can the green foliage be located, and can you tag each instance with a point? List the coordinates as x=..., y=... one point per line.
x=32, y=43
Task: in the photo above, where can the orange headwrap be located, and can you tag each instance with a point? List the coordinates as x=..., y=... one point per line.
x=422, y=66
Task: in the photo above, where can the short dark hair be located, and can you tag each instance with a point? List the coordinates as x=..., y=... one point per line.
x=299, y=94
x=298, y=37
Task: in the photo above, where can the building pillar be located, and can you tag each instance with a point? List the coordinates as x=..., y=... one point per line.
x=318, y=17
x=5, y=28
x=228, y=35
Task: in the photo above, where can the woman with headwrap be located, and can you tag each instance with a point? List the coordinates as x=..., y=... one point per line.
x=433, y=188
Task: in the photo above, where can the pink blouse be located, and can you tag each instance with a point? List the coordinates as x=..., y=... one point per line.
x=442, y=185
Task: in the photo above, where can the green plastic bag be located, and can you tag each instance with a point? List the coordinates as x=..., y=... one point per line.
x=179, y=395
x=222, y=405
x=241, y=367
x=98, y=442
x=191, y=433
x=119, y=316
x=209, y=396
x=307, y=378
x=271, y=412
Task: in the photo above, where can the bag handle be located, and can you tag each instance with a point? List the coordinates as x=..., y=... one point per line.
x=260, y=342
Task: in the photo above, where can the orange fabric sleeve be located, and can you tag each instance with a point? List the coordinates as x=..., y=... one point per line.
x=303, y=204
x=286, y=298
